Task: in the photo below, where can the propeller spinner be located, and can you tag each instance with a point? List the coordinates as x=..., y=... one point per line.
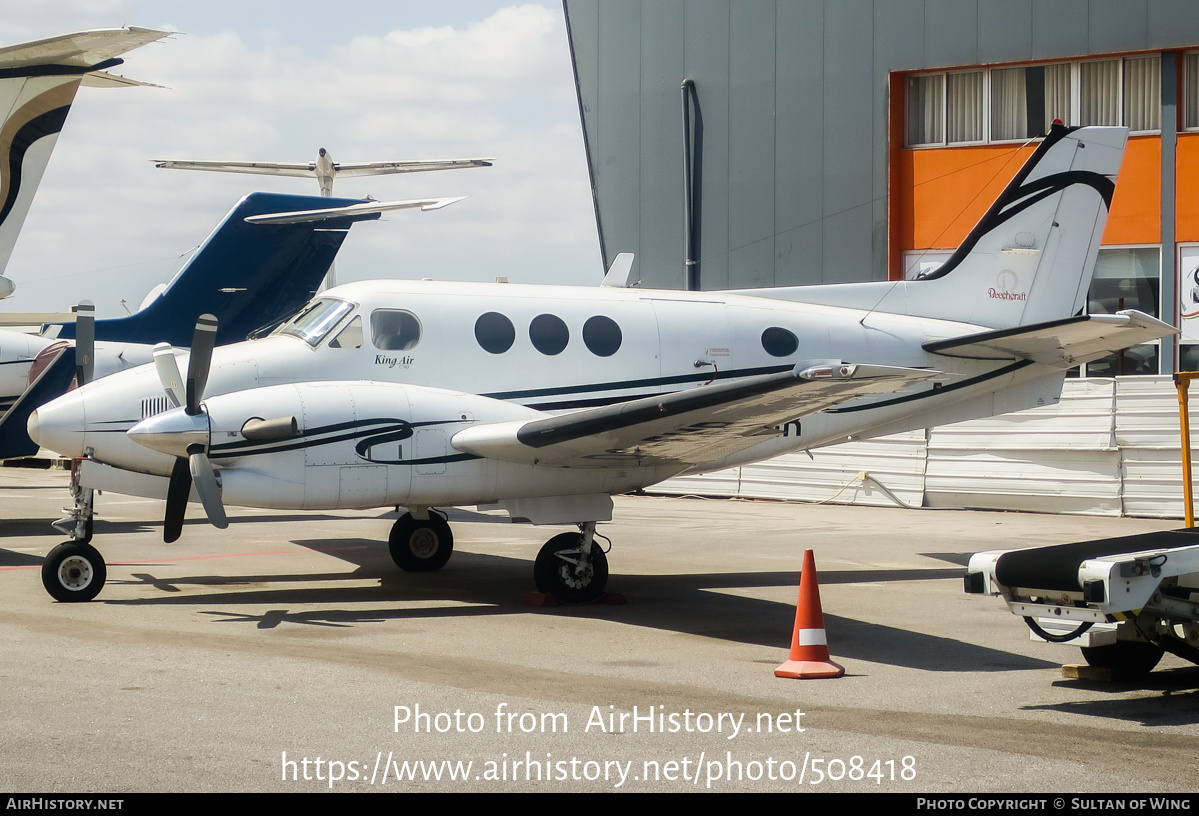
x=184, y=432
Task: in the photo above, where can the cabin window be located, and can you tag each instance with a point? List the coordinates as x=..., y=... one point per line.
x=549, y=334
x=779, y=342
x=602, y=336
x=315, y=322
x=494, y=332
x=394, y=329
x=350, y=336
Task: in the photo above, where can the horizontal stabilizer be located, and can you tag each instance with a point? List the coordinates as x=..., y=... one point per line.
x=1067, y=342
x=307, y=169
x=103, y=79
x=685, y=428
x=414, y=166
x=354, y=212
x=81, y=51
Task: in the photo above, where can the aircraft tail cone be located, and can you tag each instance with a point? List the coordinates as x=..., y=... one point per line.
x=809, y=645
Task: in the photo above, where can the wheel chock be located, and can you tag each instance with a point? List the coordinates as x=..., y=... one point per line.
x=809, y=644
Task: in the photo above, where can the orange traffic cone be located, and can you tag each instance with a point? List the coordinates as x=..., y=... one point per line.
x=809, y=645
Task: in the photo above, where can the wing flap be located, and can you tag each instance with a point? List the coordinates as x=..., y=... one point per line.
x=1060, y=343
x=687, y=427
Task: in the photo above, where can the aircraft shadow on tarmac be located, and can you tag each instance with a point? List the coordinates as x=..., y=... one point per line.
x=1172, y=698
x=476, y=584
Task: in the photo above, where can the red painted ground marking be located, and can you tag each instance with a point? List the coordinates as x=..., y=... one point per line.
x=202, y=557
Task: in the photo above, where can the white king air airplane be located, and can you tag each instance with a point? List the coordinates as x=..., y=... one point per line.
x=548, y=400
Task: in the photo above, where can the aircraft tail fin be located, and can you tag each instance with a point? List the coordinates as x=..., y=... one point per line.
x=248, y=273
x=38, y=81
x=37, y=108
x=1029, y=259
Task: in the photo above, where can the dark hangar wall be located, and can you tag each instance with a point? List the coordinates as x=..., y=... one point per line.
x=794, y=102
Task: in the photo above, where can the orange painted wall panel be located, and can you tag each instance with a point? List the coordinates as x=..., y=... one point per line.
x=1186, y=212
x=1137, y=206
x=944, y=191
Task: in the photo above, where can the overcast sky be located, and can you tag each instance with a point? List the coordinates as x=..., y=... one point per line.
x=275, y=81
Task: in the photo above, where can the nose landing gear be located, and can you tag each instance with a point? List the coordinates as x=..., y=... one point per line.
x=74, y=571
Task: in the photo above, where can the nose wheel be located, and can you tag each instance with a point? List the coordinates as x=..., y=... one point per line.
x=73, y=572
x=420, y=545
x=569, y=571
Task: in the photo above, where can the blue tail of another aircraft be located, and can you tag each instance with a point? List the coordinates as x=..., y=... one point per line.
x=248, y=275
x=260, y=265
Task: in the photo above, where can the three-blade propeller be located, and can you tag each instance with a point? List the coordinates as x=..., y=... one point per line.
x=191, y=464
x=85, y=341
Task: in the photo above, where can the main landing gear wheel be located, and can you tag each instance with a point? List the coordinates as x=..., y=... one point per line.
x=560, y=571
x=73, y=572
x=1134, y=657
x=420, y=545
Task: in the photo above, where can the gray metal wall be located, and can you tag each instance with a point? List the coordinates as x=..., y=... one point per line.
x=793, y=95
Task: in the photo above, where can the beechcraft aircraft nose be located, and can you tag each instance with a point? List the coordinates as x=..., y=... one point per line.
x=59, y=425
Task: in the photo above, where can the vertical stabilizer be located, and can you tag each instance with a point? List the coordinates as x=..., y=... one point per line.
x=35, y=109
x=38, y=81
x=1031, y=257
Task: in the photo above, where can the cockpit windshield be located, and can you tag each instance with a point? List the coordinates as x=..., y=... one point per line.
x=314, y=322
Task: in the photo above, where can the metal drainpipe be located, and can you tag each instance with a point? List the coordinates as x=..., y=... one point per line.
x=690, y=138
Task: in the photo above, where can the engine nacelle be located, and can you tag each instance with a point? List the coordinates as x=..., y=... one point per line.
x=347, y=444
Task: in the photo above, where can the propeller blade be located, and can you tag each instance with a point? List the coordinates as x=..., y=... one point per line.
x=206, y=485
x=168, y=373
x=85, y=341
x=201, y=356
x=179, y=488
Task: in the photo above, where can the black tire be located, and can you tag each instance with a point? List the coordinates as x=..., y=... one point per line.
x=566, y=581
x=420, y=546
x=1131, y=657
x=74, y=572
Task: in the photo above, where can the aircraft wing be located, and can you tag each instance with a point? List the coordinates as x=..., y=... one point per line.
x=690, y=427
x=83, y=49
x=1064, y=343
x=306, y=169
x=416, y=166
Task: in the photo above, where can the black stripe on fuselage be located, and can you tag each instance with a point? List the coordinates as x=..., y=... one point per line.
x=649, y=382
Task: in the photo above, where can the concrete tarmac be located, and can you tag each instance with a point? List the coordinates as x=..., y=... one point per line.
x=288, y=653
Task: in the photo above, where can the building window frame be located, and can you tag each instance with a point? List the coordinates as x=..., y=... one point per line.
x=942, y=116
x=1103, y=364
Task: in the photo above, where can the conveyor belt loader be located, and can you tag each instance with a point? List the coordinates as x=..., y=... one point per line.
x=1125, y=600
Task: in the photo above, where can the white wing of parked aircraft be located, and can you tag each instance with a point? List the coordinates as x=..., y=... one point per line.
x=548, y=400
x=324, y=169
